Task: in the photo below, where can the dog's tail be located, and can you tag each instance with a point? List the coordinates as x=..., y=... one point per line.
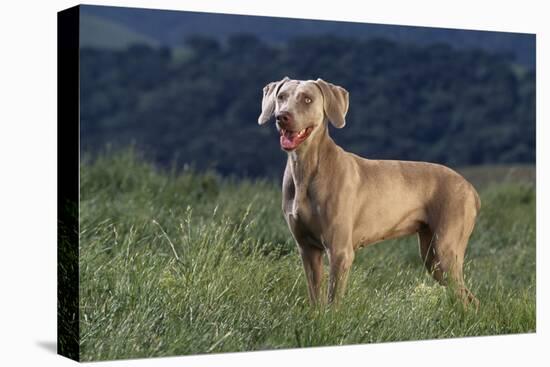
x=477, y=200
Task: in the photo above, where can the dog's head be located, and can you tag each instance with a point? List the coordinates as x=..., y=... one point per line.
x=302, y=109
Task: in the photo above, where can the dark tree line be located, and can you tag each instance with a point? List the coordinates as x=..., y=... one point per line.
x=199, y=104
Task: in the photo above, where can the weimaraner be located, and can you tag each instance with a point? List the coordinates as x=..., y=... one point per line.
x=336, y=202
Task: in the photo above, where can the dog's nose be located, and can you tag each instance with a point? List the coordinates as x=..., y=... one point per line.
x=284, y=117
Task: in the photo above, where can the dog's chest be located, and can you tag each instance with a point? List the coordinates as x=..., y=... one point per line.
x=301, y=212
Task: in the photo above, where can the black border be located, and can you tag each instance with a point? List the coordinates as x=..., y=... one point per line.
x=68, y=315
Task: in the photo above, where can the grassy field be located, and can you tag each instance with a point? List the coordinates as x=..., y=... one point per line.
x=186, y=263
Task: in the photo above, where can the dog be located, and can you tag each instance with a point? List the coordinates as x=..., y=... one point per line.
x=336, y=202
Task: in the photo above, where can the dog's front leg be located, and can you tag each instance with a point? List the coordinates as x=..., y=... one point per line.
x=340, y=256
x=312, y=258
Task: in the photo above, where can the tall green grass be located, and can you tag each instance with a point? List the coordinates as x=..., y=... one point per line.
x=187, y=263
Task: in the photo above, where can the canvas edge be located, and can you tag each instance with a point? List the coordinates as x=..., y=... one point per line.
x=68, y=315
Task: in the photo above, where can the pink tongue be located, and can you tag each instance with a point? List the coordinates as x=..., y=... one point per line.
x=289, y=141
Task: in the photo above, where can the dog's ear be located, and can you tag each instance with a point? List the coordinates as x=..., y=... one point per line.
x=336, y=102
x=268, y=101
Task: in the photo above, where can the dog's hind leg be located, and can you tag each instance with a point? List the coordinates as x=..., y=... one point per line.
x=452, y=227
x=426, y=242
x=450, y=254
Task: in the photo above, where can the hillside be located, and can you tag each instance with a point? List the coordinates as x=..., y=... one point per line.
x=432, y=103
x=172, y=27
x=96, y=31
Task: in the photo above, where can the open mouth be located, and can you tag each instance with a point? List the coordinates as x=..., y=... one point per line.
x=290, y=140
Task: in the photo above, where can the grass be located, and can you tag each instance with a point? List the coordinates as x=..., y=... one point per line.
x=188, y=263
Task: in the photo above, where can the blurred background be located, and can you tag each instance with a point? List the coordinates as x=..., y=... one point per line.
x=185, y=89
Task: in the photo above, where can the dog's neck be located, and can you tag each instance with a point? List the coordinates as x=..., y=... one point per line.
x=305, y=161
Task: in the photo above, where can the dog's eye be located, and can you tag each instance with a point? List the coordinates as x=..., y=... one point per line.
x=280, y=97
x=307, y=100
